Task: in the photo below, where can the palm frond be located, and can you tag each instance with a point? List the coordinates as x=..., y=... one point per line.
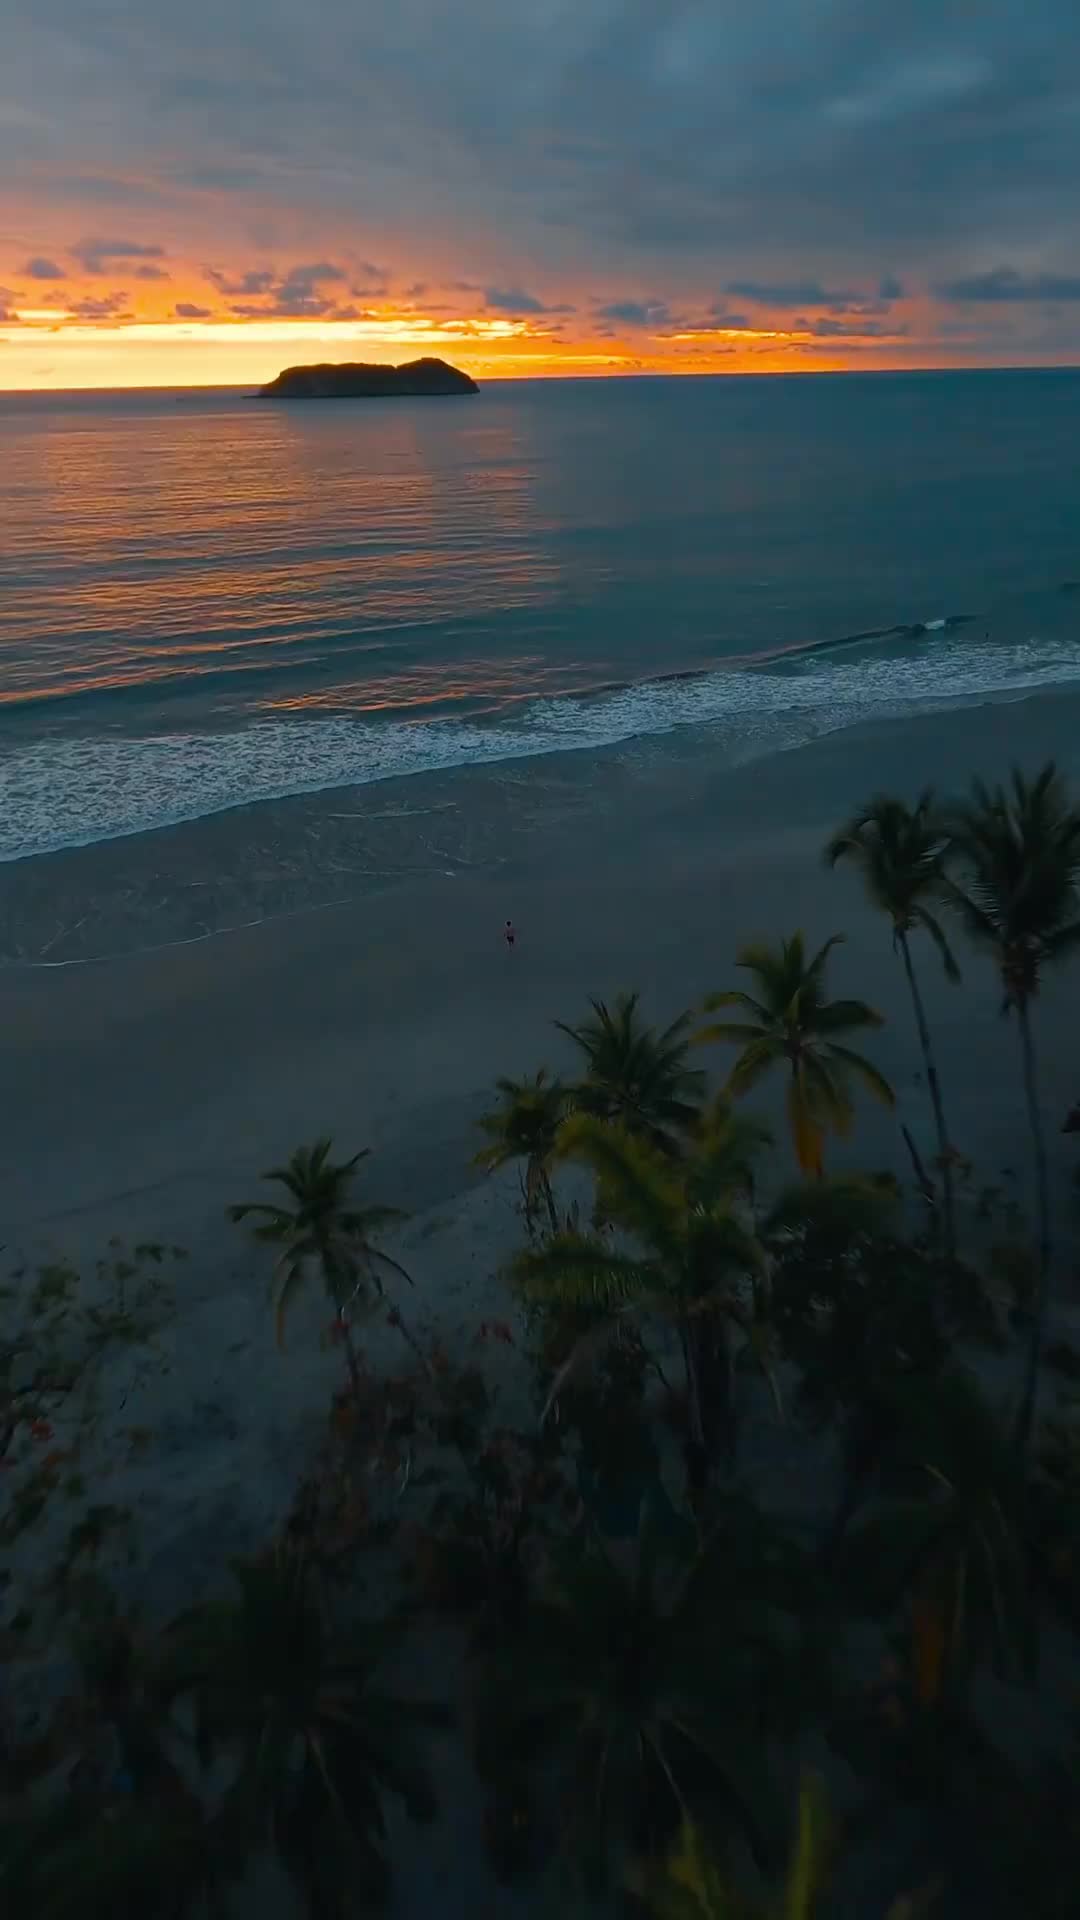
x=729, y=1145
x=753, y=1063
x=979, y=922
x=771, y=963
x=815, y=968
x=636, y=1075
x=582, y=1270
x=863, y=1070
x=827, y=1092
x=930, y=924
x=638, y=1187
x=377, y=1259
x=713, y=1002
x=274, y=1216
x=734, y=1031
x=846, y=1016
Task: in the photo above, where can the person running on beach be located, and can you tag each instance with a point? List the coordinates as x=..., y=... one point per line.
x=509, y=936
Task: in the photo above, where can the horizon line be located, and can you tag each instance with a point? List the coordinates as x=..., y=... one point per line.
x=596, y=376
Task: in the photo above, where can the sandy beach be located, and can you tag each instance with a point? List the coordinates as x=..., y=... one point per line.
x=147, y=1090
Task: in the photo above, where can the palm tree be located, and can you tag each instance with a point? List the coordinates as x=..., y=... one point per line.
x=635, y=1075
x=1018, y=853
x=525, y=1126
x=698, y=1263
x=899, y=852
x=694, y=1886
x=126, y=1832
x=953, y=1546
x=794, y=1025
x=321, y=1228
x=645, y=1683
x=308, y=1743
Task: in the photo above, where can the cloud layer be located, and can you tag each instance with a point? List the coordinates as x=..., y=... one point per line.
x=904, y=180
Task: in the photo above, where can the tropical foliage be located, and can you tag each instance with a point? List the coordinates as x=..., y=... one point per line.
x=525, y=1126
x=791, y=1025
x=740, y=1476
x=628, y=1715
x=900, y=852
x=312, y=1745
x=321, y=1228
x=692, y=1260
x=1018, y=851
x=637, y=1076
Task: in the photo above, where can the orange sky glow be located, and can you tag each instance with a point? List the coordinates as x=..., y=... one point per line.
x=200, y=195
x=174, y=325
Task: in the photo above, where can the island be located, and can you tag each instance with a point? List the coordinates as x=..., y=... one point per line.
x=361, y=380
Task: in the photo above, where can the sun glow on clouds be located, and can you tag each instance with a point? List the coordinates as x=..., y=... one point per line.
x=404, y=330
x=86, y=347
x=192, y=326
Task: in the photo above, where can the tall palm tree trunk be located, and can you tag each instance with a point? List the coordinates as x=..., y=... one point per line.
x=335, y=1286
x=1026, y=1416
x=934, y=1084
x=351, y=1357
x=693, y=1381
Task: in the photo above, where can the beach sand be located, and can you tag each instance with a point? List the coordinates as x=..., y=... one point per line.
x=152, y=1087
x=146, y=1091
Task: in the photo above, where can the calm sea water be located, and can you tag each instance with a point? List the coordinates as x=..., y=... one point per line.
x=206, y=600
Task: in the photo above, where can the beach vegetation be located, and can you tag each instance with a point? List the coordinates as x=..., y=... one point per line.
x=317, y=1225
x=650, y=1680
x=1016, y=885
x=899, y=853
x=299, y=1722
x=746, y=1485
x=524, y=1126
x=689, y=1256
x=636, y=1075
x=789, y=1024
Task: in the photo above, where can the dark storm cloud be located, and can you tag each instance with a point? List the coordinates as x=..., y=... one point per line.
x=636, y=313
x=792, y=293
x=187, y=310
x=260, y=280
x=100, y=256
x=41, y=269
x=798, y=145
x=513, y=300
x=825, y=328
x=106, y=306
x=1005, y=284
x=294, y=295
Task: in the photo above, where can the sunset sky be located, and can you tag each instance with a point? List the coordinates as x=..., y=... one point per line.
x=201, y=193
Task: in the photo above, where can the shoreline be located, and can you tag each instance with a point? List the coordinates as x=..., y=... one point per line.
x=64, y=791
x=385, y=1017
x=257, y=862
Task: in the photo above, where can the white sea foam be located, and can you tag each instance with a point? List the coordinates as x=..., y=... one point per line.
x=67, y=792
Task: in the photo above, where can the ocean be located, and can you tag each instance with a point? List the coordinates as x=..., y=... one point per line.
x=207, y=600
